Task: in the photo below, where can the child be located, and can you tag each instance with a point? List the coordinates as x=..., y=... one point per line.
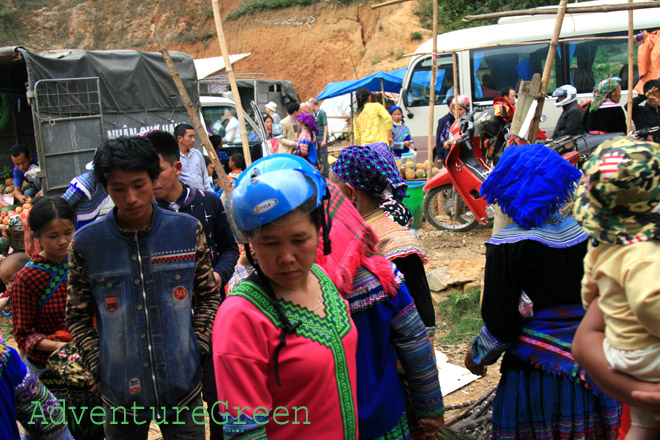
x=236, y=165
x=39, y=291
x=25, y=169
x=8, y=270
x=617, y=204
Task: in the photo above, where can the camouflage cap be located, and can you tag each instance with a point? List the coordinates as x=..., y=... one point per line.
x=618, y=197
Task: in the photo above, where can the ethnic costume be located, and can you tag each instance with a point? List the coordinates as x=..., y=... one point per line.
x=313, y=378
x=400, y=134
x=38, y=306
x=24, y=398
x=39, y=300
x=531, y=305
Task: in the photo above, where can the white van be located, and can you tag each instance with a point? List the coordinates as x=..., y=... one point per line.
x=484, y=71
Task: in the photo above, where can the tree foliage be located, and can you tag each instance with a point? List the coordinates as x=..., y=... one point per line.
x=451, y=12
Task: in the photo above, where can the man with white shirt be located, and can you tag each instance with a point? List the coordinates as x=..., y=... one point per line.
x=193, y=167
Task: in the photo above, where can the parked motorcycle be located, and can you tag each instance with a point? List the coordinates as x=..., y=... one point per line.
x=451, y=200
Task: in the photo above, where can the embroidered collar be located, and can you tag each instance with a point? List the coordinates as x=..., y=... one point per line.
x=559, y=231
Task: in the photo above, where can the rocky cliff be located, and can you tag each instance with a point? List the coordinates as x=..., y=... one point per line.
x=310, y=46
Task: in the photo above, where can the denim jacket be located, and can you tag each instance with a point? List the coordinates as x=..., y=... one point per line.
x=140, y=287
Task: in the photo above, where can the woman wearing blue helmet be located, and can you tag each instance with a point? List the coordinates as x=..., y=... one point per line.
x=308, y=389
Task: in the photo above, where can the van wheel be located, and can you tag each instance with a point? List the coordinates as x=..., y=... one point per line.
x=445, y=209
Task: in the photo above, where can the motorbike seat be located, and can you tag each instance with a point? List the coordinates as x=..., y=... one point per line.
x=467, y=157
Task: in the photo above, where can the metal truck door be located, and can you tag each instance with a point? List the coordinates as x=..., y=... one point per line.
x=67, y=116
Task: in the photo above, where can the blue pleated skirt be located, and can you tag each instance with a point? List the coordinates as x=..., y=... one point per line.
x=533, y=404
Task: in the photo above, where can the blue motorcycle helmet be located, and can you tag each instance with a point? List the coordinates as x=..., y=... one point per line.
x=271, y=188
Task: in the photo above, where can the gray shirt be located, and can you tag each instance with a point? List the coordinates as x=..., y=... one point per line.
x=193, y=170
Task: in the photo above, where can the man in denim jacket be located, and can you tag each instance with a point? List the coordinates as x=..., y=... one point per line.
x=145, y=274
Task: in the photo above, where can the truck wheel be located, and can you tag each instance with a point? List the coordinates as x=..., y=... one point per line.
x=445, y=209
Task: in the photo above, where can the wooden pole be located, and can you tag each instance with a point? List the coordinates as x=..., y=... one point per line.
x=434, y=71
x=553, y=11
x=382, y=92
x=454, y=66
x=354, y=69
x=193, y=113
x=547, y=70
x=389, y=3
x=631, y=32
x=232, y=82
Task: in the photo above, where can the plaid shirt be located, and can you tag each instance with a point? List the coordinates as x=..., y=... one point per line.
x=32, y=326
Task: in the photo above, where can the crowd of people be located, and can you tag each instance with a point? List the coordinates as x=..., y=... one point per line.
x=298, y=306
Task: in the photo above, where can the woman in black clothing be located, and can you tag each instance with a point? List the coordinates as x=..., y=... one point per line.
x=605, y=114
x=532, y=305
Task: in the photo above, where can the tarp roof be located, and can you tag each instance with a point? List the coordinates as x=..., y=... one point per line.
x=391, y=83
x=209, y=66
x=130, y=80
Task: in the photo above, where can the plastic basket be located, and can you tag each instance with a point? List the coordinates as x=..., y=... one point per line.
x=414, y=202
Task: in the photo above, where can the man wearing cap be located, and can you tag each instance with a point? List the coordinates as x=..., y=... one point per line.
x=322, y=124
x=271, y=110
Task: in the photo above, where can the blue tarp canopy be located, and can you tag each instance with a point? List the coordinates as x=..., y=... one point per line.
x=391, y=83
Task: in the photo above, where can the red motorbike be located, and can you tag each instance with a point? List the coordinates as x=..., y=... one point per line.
x=451, y=200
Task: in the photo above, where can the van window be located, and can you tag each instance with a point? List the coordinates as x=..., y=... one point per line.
x=420, y=82
x=500, y=67
x=590, y=62
x=218, y=118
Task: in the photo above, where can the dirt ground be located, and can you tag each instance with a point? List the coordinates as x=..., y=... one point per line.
x=461, y=253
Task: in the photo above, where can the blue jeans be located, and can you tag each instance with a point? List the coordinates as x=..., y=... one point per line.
x=190, y=429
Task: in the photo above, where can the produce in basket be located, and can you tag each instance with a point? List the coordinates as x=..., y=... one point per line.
x=410, y=174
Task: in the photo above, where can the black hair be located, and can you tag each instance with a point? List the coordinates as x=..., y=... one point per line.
x=125, y=154
x=18, y=149
x=239, y=160
x=648, y=85
x=292, y=107
x=505, y=91
x=165, y=145
x=268, y=117
x=216, y=141
x=180, y=130
x=450, y=100
x=207, y=160
x=45, y=209
x=17, y=258
x=362, y=96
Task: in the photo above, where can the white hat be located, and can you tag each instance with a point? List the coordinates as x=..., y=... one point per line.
x=271, y=106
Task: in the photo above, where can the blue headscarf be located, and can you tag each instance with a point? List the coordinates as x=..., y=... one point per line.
x=396, y=107
x=530, y=183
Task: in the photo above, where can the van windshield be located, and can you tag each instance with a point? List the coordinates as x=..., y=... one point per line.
x=420, y=82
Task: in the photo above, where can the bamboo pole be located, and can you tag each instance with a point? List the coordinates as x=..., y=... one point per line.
x=232, y=82
x=193, y=113
x=547, y=70
x=354, y=69
x=434, y=70
x=553, y=11
x=631, y=32
x=382, y=92
x=389, y=3
x=522, y=43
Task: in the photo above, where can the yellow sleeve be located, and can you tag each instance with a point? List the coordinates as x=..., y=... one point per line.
x=640, y=280
x=589, y=285
x=356, y=131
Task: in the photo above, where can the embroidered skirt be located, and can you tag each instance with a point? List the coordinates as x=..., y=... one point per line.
x=533, y=404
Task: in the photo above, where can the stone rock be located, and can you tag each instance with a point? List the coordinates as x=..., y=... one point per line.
x=462, y=280
x=439, y=279
x=476, y=284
